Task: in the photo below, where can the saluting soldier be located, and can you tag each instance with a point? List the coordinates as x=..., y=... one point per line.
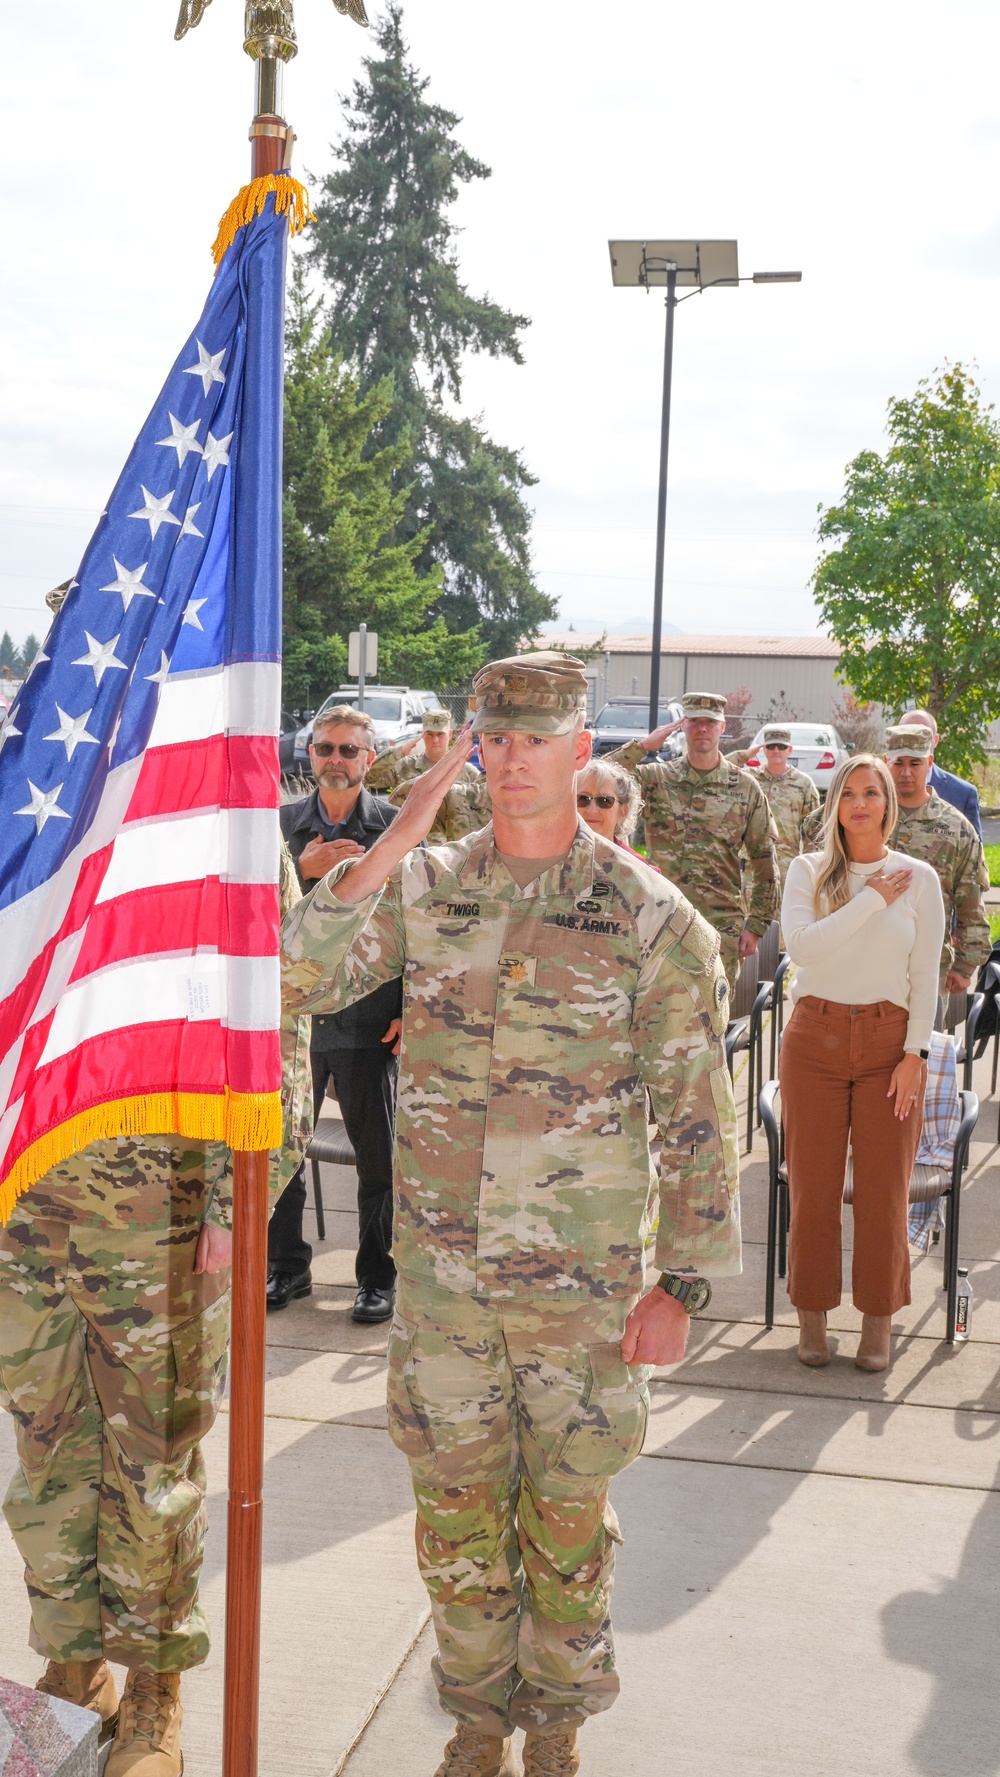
x=466, y=807
x=700, y=813
x=114, y=1332
x=930, y=828
x=550, y=981
x=791, y=794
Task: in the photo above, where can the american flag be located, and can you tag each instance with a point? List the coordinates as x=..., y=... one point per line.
x=139, y=775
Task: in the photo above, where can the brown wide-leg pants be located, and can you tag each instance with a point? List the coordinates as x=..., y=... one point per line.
x=836, y=1064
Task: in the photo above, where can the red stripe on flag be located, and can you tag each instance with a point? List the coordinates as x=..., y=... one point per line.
x=224, y=771
x=18, y=1008
x=235, y=918
x=141, y=1061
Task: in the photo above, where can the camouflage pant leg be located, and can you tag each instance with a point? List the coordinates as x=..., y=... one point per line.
x=112, y=1362
x=514, y=1418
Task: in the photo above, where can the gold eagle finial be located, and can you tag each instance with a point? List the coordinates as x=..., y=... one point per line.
x=193, y=11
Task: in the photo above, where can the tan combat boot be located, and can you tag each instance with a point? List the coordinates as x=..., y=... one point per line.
x=148, y=1738
x=470, y=1753
x=551, y=1755
x=88, y=1684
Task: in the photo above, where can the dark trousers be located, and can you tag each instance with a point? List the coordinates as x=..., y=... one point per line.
x=364, y=1081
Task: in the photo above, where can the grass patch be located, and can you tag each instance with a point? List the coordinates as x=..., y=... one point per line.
x=994, y=919
x=993, y=864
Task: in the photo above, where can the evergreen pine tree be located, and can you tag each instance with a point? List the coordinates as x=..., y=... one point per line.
x=384, y=242
x=8, y=652
x=347, y=556
x=25, y=655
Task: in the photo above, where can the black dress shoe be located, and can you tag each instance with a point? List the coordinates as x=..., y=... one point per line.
x=282, y=1289
x=373, y=1305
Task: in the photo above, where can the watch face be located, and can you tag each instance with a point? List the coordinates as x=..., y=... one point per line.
x=700, y=1296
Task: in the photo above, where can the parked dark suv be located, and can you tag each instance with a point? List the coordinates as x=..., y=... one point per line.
x=627, y=718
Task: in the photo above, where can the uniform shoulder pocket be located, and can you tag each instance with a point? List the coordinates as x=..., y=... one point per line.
x=696, y=943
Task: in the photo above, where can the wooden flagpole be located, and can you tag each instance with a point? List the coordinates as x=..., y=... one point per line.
x=269, y=137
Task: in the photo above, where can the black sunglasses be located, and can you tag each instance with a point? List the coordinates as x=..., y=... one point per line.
x=776, y=746
x=602, y=801
x=325, y=749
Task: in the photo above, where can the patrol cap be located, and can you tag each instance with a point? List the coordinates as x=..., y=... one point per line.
x=56, y=598
x=436, y=721
x=776, y=737
x=911, y=743
x=540, y=693
x=704, y=703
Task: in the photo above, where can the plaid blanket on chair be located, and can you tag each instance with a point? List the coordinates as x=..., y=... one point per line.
x=937, y=1140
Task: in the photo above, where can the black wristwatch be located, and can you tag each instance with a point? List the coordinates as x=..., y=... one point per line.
x=924, y=1054
x=693, y=1293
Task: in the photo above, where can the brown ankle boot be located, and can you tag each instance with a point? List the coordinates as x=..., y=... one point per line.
x=551, y=1755
x=88, y=1684
x=813, y=1348
x=148, y=1738
x=873, y=1346
x=471, y=1753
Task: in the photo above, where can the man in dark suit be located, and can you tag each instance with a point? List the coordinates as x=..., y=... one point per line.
x=355, y=1050
x=961, y=795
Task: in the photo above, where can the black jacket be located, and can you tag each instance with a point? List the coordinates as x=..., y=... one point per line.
x=363, y=1025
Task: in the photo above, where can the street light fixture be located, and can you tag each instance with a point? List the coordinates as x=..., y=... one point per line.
x=670, y=265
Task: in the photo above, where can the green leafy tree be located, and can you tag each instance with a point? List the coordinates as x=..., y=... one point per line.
x=348, y=556
x=384, y=241
x=911, y=589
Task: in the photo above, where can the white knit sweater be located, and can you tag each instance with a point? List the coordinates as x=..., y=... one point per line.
x=866, y=951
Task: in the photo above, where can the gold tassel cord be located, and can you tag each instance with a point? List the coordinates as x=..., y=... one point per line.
x=289, y=195
x=243, y=1120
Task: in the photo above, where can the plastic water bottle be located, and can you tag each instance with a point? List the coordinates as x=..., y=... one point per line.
x=963, y=1305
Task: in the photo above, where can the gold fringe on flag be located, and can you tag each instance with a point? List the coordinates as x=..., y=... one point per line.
x=243, y=1120
x=288, y=195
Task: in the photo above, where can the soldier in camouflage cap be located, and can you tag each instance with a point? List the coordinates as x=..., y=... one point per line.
x=929, y=828
x=702, y=814
x=114, y=1328
x=791, y=795
x=550, y=981
x=466, y=807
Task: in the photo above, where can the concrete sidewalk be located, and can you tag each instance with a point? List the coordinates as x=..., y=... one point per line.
x=810, y=1578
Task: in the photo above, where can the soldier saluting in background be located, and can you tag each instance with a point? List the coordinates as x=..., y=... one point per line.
x=700, y=814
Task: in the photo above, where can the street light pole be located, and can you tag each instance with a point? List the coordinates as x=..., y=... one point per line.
x=700, y=266
x=661, y=502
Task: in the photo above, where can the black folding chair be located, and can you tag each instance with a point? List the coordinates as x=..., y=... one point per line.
x=926, y=1183
x=329, y=1143
x=746, y=1032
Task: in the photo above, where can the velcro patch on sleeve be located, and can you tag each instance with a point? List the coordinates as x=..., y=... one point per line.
x=697, y=943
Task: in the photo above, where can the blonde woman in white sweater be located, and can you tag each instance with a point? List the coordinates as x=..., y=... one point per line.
x=864, y=926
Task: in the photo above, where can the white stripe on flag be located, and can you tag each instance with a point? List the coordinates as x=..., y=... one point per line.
x=238, y=844
x=243, y=991
x=30, y=923
x=240, y=699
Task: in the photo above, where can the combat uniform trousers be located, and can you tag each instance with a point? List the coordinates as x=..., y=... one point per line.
x=514, y=1415
x=112, y=1362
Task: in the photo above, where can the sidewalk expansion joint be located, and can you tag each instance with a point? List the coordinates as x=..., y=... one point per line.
x=383, y=1693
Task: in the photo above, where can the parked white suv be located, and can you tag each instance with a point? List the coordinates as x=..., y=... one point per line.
x=395, y=710
x=817, y=749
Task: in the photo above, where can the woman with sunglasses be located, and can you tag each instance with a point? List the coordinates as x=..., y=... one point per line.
x=609, y=799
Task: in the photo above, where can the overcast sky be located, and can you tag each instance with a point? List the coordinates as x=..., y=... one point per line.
x=859, y=142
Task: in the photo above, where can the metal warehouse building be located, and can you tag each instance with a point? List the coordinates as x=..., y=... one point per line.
x=798, y=671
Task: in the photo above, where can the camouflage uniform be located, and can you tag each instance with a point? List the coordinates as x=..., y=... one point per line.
x=113, y=1364
x=790, y=797
x=464, y=810
x=697, y=825
x=943, y=838
x=534, y=1022
x=466, y=807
